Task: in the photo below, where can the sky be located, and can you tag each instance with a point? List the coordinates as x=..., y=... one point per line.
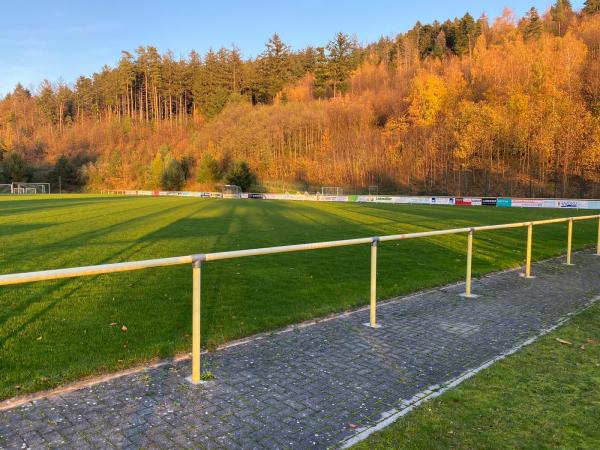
x=60, y=40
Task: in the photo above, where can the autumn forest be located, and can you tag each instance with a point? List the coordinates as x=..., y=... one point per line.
x=468, y=106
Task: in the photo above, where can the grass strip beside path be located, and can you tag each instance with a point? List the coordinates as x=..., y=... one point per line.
x=545, y=396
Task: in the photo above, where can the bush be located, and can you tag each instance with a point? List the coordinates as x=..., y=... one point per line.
x=209, y=170
x=241, y=175
x=172, y=177
x=67, y=172
x=166, y=172
x=15, y=168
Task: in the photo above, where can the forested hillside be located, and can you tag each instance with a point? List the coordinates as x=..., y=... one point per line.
x=504, y=106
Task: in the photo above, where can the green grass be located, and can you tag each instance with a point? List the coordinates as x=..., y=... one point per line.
x=545, y=396
x=54, y=332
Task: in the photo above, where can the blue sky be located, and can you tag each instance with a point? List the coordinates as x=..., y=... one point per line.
x=60, y=39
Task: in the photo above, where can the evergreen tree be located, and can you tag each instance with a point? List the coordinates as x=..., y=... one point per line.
x=467, y=34
x=339, y=62
x=274, y=69
x=533, y=27
x=591, y=7
x=241, y=175
x=439, y=48
x=561, y=13
x=47, y=102
x=322, y=74
x=172, y=177
x=65, y=173
x=15, y=168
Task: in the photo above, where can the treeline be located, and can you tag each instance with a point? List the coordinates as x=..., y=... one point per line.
x=468, y=106
x=149, y=87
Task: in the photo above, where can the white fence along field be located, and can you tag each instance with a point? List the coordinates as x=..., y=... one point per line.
x=503, y=202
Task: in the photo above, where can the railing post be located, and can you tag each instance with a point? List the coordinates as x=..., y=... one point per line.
x=373, y=305
x=469, y=265
x=569, y=241
x=528, y=257
x=196, y=274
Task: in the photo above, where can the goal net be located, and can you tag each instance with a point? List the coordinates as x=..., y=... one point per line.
x=30, y=188
x=332, y=190
x=232, y=191
x=5, y=188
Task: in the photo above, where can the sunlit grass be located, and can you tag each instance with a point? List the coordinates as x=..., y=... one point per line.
x=53, y=332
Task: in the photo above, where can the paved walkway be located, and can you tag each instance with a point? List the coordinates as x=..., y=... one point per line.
x=314, y=386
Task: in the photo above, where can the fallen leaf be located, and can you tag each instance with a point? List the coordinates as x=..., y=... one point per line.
x=562, y=341
x=18, y=388
x=123, y=328
x=113, y=324
x=39, y=338
x=353, y=425
x=590, y=341
x=582, y=347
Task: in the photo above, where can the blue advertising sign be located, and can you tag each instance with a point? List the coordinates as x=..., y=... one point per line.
x=504, y=202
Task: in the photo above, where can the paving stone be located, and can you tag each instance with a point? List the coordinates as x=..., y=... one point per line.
x=302, y=388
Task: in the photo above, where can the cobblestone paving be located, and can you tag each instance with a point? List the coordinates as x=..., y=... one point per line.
x=310, y=387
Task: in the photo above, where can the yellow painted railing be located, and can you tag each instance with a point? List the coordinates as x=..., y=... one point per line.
x=196, y=261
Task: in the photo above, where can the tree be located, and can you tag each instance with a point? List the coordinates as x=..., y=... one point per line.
x=274, y=68
x=426, y=99
x=591, y=7
x=156, y=170
x=15, y=168
x=533, y=27
x=172, y=177
x=241, y=176
x=322, y=74
x=340, y=62
x=187, y=164
x=47, y=102
x=209, y=170
x=562, y=14
x=65, y=173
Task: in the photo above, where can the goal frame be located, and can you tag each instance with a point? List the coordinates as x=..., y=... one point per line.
x=335, y=191
x=231, y=191
x=27, y=188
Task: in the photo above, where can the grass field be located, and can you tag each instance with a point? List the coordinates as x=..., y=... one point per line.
x=545, y=396
x=54, y=332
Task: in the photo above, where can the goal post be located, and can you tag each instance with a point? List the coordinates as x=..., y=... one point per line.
x=232, y=191
x=374, y=189
x=332, y=190
x=29, y=188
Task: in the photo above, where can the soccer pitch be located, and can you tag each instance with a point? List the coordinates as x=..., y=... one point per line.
x=59, y=331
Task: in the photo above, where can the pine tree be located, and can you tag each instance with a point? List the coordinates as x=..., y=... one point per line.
x=561, y=13
x=591, y=7
x=274, y=69
x=533, y=27
x=340, y=62
x=241, y=175
x=322, y=74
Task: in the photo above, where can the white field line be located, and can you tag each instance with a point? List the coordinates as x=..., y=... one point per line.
x=406, y=406
x=155, y=363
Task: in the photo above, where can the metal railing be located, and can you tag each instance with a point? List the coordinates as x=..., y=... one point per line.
x=196, y=261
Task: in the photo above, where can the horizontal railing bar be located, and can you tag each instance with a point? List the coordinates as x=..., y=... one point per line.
x=285, y=249
x=398, y=237
x=595, y=216
x=502, y=227
x=55, y=274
